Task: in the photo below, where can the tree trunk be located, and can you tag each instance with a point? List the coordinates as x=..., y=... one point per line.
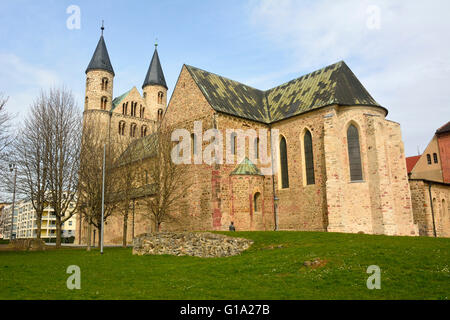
x=89, y=231
x=157, y=225
x=38, y=226
x=125, y=229
x=58, y=231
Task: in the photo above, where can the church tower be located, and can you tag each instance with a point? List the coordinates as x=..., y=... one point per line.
x=99, y=79
x=99, y=87
x=155, y=89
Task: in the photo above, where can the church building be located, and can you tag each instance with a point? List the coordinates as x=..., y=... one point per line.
x=341, y=164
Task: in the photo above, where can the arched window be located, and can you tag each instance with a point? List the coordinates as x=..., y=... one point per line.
x=122, y=128
x=257, y=202
x=354, y=154
x=160, y=97
x=133, y=130
x=257, y=148
x=104, y=103
x=435, y=158
x=233, y=143
x=309, y=158
x=86, y=102
x=143, y=131
x=124, y=108
x=193, y=143
x=105, y=84
x=142, y=112
x=145, y=95
x=160, y=114
x=428, y=159
x=284, y=164
x=146, y=176
x=133, y=109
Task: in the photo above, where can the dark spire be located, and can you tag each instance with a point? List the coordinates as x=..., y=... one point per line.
x=155, y=75
x=100, y=59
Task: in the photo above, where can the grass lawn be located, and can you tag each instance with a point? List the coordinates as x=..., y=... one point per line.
x=411, y=268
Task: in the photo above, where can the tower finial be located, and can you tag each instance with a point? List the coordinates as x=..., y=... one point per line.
x=156, y=43
x=103, y=26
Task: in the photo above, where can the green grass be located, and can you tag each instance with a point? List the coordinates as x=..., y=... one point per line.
x=411, y=268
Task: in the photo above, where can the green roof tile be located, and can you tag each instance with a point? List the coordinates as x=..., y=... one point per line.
x=246, y=168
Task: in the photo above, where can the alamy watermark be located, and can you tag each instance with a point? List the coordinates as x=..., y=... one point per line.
x=373, y=21
x=374, y=281
x=74, y=20
x=73, y=281
x=189, y=149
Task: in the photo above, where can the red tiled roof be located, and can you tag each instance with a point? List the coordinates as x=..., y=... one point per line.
x=444, y=128
x=411, y=162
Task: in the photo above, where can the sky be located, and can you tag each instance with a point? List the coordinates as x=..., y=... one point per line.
x=399, y=50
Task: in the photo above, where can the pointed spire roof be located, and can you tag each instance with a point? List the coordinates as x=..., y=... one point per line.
x=246, y=168
x=155, y=75
x=100, y=59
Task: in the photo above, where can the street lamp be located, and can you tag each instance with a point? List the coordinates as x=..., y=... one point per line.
x=12, y=167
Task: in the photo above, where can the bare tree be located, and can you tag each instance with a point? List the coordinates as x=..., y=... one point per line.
x=126, y=172
x=6, y=137
x=168, y=182
x=5, y=127
x=91, y=181
x=30, y=151
x=62, y=134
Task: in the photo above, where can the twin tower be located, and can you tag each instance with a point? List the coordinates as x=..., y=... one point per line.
x=129, y=115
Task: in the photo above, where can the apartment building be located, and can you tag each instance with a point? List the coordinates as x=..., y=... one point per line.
x=25, y=226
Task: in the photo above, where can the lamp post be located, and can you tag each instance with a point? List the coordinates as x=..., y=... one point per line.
x=12, y=167
x=103, y=201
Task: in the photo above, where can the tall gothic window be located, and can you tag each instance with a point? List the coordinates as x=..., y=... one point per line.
x=125, y=108
x=143, y=131
x=435, y=158
x=193, y=143
x=122, y=128
x=133, y=109
x=160, y=114
x=233, y=143
x=284, y=164
x=354, y=154
x=309, y=158
x=105, y=84
x=257, y=148
x=133, y=130
x=104, y=103
x=257, y=202
x=160, y=97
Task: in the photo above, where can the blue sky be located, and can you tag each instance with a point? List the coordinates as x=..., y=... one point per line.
x=398, y=49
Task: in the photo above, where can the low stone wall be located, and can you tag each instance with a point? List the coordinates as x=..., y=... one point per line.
x=204, y=245
x=27, y=244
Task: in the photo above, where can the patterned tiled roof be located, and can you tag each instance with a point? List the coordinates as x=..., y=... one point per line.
x=335, y=84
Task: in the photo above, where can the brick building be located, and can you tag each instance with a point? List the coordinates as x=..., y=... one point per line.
x=429, y=179
x=338, y=164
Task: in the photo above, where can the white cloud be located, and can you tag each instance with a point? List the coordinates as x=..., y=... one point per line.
x=22, y=81
x=405, y=64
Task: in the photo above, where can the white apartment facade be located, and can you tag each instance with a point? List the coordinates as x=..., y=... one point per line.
x=25, y=226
